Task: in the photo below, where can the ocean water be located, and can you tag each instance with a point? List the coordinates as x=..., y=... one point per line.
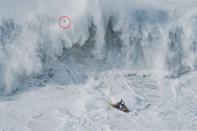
x=144, y=51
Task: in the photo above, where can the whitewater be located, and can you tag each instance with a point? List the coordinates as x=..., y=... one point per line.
x=141, y=51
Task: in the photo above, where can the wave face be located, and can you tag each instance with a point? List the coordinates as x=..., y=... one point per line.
x=133, y=35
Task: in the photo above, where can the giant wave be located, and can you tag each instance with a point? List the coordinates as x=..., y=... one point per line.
x=104, y=35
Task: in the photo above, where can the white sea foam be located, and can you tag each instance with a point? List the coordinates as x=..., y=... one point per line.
x=131, y=34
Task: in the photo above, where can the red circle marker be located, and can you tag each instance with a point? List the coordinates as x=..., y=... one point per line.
x=65, y=22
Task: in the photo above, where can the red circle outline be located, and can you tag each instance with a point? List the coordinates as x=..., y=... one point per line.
x=65, y=17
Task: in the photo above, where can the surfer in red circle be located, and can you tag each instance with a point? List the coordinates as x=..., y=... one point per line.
x=65, y=22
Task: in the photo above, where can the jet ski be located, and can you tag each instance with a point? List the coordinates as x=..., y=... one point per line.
x=120, y=106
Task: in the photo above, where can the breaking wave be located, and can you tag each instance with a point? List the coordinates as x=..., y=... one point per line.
x=124, y=35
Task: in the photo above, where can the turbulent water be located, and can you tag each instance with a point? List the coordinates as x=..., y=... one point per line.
x=155, y=36
x=142, y=51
